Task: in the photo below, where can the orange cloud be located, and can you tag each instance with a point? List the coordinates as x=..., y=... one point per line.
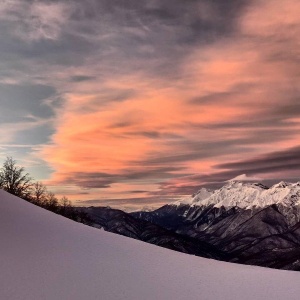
x=237, y=80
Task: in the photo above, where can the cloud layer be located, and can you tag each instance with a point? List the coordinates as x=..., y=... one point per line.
x=138, y=103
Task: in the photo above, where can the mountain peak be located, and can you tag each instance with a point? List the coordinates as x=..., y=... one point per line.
x=281, y=184
x=202, y=191
x=243, y=184
x=244, y=177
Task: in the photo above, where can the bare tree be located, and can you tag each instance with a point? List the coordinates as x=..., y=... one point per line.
x=51, y=202
x=65, y=206
x=14, y=180
x=39, y=193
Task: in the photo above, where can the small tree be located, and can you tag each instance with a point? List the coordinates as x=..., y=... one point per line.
x=39, y=193
x=51, y=202
x=65, y=204
x=14, y=180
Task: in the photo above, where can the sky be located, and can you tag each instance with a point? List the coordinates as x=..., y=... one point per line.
x=137, y=103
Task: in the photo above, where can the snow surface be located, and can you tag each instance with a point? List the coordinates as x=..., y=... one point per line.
x=247, y=195
x=45, y=256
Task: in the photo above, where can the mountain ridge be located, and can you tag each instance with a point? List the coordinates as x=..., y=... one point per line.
x=243, y=219
x=245, y=195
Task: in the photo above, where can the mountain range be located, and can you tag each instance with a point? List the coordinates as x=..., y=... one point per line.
x=243, y=222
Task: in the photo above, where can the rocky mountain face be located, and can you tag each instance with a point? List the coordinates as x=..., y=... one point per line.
x=117, y=221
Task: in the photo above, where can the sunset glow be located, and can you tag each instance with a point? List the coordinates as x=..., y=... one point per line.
x=133, y=103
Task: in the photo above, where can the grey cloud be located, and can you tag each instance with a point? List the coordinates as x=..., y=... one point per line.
x=274, y=167
x=278, y=165
x=119, y=36
x=271, y=120
x=137, y=192
x=81, y=78
x=288, y=109
x=258, y=123
x=106, y=96
x=147, y=134
x=122, y=124
x=276, y=161
x=122, y=36
x=138, y=32
x=189, y=150
x=225, y=96
x=155, y=173
x=151, y=134
x=91, y=180
x=213, y=98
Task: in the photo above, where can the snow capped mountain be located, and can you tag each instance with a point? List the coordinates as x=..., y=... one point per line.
x=198, y=197
x=246, y=195
x=236, y=193
x=45, y=256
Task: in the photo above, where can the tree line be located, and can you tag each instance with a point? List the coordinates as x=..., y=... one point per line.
x=16, y=181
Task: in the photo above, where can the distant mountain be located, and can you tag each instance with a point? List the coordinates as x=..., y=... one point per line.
x=117, y=221
x=252, y=223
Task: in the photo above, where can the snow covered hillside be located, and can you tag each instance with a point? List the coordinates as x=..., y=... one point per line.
x=45, y=256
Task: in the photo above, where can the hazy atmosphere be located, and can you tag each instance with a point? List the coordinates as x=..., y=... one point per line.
x=137, y=103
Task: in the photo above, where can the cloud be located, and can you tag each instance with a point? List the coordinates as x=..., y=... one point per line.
x=267, y=168
x=153, y=96
x=279, y=162
x=80, y=78
x=221, y=105
x=100, y=180
x=34, y=20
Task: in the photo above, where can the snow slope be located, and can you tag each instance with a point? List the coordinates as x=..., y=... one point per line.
x=246, y=195
x=45, y=256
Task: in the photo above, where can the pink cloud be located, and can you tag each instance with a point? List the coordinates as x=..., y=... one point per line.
x=238, y=79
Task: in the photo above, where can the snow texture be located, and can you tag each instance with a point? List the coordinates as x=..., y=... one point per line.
x=45, y=256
